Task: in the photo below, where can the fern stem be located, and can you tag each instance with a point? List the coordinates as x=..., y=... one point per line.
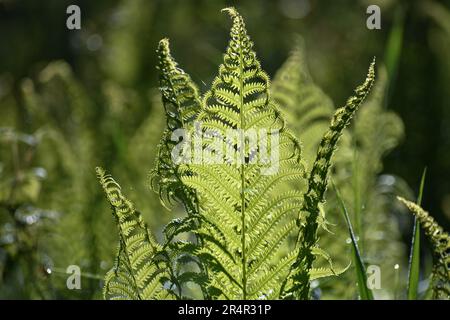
x=242, y=155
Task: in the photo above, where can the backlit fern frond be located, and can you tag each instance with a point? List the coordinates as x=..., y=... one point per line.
x=231, y=170
x=244, y=221
x=317, y=183
x=181, y=103
x=359, y=162
x=440, y=241
x=307, y=108
x=141, y=269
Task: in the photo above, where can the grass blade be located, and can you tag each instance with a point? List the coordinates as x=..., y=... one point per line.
x=414, y=257
x=364, y=292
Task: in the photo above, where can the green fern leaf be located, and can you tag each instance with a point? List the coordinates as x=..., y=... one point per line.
x=440, y=240
x=182, y=104
x=307, y=108
x=298, y=284
x=317, y=273
x=357, y=166
x=243, y=221
x=141, y=270
x=234, y=191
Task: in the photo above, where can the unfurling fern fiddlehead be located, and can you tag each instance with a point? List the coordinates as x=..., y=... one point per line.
x=440, y=240
x=299, y=285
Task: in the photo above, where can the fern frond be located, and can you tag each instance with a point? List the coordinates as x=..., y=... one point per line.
x=318, y=177
x=245, y=222
x=235, y=189
x=317, y=183
x=307, y=108
x=141, y=270
x=440, y=241
x=181, y=103
x=317, y=273
x=358, y=163
x=180, y=94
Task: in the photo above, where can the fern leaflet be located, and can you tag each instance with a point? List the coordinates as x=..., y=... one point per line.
x=141, y=270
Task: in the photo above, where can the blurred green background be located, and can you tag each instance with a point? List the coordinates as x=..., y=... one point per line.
x=74, y=99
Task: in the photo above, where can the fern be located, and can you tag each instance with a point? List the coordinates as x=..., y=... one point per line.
x=375, y=132
x=141, y=269
x=239, y=208
x=306, y=107
x=440, y=241
x=299, y=285
x=181, y=103
x=357, y=164
x=243, y=222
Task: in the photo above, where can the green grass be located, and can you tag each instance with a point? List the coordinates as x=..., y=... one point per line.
x=364, y=292
x=414, y=258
